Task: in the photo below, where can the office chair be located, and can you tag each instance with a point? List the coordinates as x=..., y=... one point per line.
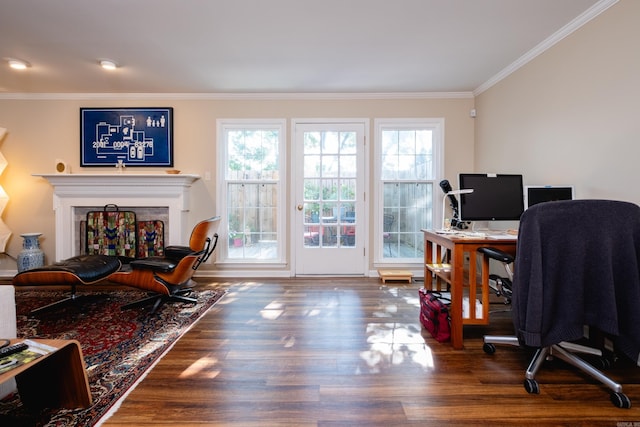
x=577, y=264
x=500, y=285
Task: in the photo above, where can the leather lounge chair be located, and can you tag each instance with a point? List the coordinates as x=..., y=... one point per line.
x=166, y=278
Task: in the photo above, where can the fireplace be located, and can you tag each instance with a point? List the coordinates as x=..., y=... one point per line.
x=163, y=196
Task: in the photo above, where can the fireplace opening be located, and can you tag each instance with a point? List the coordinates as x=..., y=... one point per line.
x=143, y=213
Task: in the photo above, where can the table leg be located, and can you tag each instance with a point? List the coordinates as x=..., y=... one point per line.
x=457, y=283
x=60, y=380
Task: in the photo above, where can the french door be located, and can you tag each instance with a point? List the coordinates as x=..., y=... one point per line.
x=328, y=170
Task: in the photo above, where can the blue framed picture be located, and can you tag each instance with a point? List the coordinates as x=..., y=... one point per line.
x=129, y=136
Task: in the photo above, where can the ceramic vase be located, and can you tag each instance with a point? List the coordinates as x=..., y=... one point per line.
x=31, y=255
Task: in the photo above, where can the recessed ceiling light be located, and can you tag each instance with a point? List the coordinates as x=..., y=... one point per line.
x=108, y=64
x=16, y=64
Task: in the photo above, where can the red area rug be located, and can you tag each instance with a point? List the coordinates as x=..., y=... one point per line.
x=118, y=346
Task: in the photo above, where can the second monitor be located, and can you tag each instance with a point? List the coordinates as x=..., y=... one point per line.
x=535, y=194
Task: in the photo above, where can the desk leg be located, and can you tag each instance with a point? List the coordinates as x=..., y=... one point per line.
x=59, y=381
x=457, y=284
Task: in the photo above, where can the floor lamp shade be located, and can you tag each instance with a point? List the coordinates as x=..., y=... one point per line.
x=5, y=233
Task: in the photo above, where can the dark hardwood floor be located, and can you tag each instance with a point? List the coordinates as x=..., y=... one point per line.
x=350, y=352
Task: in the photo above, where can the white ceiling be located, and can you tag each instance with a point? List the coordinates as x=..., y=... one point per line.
x=277, y=46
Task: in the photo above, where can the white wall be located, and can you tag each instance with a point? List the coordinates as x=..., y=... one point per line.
x=567, y=117
x=43, y=129
x=572, y=115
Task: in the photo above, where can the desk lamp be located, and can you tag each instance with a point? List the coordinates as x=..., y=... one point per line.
x=452, y=193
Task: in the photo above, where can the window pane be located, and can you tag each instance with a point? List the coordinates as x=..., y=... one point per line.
x=312, y=165
x=389, y=155
x=406, y=211
x=252, y=190
x=330, y=166
x=348, y=143
x=406, y=155
x=348, y=166
x=409, y=165
x=312, y=142
x=330, y=189
x=330, y=142
x=348, y=189
x=252, y=154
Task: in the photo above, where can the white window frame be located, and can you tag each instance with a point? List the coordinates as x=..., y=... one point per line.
x=222, y=126
x=436, y=125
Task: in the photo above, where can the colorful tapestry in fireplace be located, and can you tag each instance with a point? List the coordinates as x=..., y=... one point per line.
x=150, y=238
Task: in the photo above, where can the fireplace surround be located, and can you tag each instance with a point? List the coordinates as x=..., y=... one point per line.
x=74, y=194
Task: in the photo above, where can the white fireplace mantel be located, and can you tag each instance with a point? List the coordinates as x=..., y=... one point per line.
x=126, y=190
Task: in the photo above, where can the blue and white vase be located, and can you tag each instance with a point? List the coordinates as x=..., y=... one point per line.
x=31, y=255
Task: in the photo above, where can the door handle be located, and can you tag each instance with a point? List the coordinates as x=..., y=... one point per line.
x=299, y=207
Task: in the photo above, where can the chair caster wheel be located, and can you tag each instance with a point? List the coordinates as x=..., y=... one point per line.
x=531, y=386
x=489, y=348
x=620, y=400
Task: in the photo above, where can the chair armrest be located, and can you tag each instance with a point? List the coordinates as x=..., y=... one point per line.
x=158, y=264
x=496, y=254
x=177, y=252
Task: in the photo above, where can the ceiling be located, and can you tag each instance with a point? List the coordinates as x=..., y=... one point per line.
x=277, y=46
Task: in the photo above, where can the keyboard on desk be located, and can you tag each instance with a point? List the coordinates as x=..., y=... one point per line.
x=493, y=235
x=502, y=236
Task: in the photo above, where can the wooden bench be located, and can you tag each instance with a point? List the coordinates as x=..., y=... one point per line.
x=395, y=275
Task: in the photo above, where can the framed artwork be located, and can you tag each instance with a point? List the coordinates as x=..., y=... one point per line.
x=127, y=136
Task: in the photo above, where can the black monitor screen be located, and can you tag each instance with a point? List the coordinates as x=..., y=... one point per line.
x=537, y=194
x=494, y=198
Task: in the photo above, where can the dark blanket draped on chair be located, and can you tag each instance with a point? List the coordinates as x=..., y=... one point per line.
x=577, y=264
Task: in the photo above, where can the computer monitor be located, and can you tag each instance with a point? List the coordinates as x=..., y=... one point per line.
x=495, y=197
x=535, y=194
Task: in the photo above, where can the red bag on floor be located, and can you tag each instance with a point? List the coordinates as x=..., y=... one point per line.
x=434, y=314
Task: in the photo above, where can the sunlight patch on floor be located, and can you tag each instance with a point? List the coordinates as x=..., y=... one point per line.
x=201, y=368
x=395, y=344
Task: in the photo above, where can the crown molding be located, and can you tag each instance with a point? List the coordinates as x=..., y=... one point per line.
x=548, y=43
x=234, y=96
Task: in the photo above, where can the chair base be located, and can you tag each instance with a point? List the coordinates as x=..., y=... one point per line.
x=73, y=298
x=565, y=352
x=49, y=307
x=158, y=299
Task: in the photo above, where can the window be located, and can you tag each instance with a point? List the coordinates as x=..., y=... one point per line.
x=251, y=165
x=409, y=162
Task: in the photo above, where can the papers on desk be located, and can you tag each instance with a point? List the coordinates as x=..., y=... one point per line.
x=39, y=347
x=491, y=235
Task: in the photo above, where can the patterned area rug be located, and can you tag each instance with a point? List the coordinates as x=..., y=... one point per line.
x=118, y=345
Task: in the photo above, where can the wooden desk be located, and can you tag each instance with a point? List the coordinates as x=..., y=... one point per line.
x=460, y=252
x=54, y=380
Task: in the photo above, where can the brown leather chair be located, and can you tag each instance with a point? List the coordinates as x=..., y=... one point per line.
x=168, y=277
